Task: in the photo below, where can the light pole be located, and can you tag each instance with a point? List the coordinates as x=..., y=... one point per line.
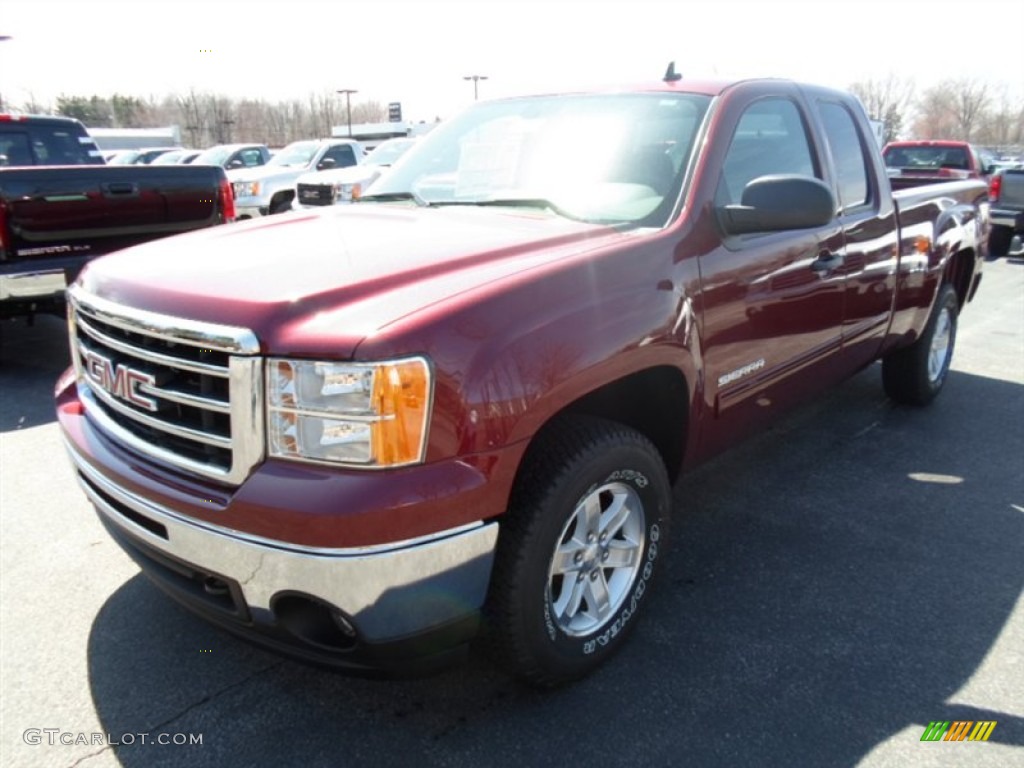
x=476, y=79
x=348, y=106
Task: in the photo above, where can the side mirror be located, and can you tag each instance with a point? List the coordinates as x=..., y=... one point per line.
x=325, y=164
x=778, y=203
x=236, y=163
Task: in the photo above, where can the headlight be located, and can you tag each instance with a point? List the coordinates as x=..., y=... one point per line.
x=247, y=189
x=360, y=414
x=346, y=193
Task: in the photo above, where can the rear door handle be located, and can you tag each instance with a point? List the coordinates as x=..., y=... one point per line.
x=827, y=261
x=120, y=189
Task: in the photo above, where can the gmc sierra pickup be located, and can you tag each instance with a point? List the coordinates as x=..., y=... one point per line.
x=54, y=219
x=362, y=435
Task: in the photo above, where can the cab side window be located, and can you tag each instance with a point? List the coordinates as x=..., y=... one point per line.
x=342, y=155
x=770, y=138
x=848, y=155
x=251, y=158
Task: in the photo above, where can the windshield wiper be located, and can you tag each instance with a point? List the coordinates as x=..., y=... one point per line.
x=511, y=202
x=388, y=197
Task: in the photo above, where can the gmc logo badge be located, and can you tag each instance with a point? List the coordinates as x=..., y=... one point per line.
x=120, y=381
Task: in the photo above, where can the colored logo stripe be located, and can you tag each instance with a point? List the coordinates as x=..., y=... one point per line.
x=958, y=730
x=935, y=730
x=982, y=730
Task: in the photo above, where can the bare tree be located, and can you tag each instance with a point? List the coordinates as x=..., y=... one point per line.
x=369, y=112
x=193, y=117
x=886, y=100
x=32, y=106
x=970, y=100
x=934, y=118
x=220, y=117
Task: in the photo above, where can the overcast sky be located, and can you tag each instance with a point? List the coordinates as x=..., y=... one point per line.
x=417, y=53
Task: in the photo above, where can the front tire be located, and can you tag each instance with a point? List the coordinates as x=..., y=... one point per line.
x=579, y=547
x=281, y=204
x=915, y=375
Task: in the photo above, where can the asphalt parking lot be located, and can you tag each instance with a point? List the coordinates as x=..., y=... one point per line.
x=835, y=585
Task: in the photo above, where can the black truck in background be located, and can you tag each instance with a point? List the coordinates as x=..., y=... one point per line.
x=61, y=205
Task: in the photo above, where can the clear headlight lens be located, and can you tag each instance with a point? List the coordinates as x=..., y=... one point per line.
x=246, y=188
x=346, y=193
x=349, y=413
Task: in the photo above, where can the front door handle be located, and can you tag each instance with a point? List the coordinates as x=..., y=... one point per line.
x=827, y=261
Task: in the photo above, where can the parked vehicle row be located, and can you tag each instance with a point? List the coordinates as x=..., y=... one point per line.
x=463, y=401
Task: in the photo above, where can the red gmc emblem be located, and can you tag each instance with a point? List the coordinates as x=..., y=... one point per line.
x=120, y=381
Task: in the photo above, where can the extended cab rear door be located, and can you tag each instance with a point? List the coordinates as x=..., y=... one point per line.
x=868, y=221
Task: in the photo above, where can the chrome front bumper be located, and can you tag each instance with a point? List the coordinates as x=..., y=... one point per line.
x=388, y=592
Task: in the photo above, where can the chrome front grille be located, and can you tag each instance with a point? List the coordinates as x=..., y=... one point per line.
x=316, y=194
x=184, y=393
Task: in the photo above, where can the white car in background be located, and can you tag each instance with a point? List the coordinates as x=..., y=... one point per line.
x=343, y=185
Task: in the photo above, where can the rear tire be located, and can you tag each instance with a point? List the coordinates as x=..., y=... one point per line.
x=915, y=375
x=579, y=546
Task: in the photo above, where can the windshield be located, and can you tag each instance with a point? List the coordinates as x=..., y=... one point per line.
x=212, y=156
x=124, y=158
x=170, y=158
x=389, y=151
x=299, y=153
x=600, y=158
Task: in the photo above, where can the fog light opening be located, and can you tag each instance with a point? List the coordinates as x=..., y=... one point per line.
x=314, y=622
x=214, y=586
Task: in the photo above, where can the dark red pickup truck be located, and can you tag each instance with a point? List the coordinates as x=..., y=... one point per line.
x=61, y=206
x=359, y=435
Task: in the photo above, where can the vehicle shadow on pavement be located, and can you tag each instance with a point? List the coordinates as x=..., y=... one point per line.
x=833, y=582
x=32, y=357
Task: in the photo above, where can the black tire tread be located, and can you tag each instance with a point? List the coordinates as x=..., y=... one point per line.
x=904, y=371
x=565, y=443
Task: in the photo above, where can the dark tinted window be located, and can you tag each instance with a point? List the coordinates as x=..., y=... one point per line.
x=342, y=155
x=14, y=149
x=769, y=139
x=47, y=145
x=847, y=154
x=926, y=157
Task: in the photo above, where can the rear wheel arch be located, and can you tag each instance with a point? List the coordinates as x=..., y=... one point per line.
x=960, y=274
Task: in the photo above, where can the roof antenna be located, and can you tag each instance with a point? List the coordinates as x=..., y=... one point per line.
x=671, y=76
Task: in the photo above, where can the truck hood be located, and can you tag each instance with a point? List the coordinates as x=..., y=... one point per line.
x=265, y=172
x=306, y=283
x=354, y=174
